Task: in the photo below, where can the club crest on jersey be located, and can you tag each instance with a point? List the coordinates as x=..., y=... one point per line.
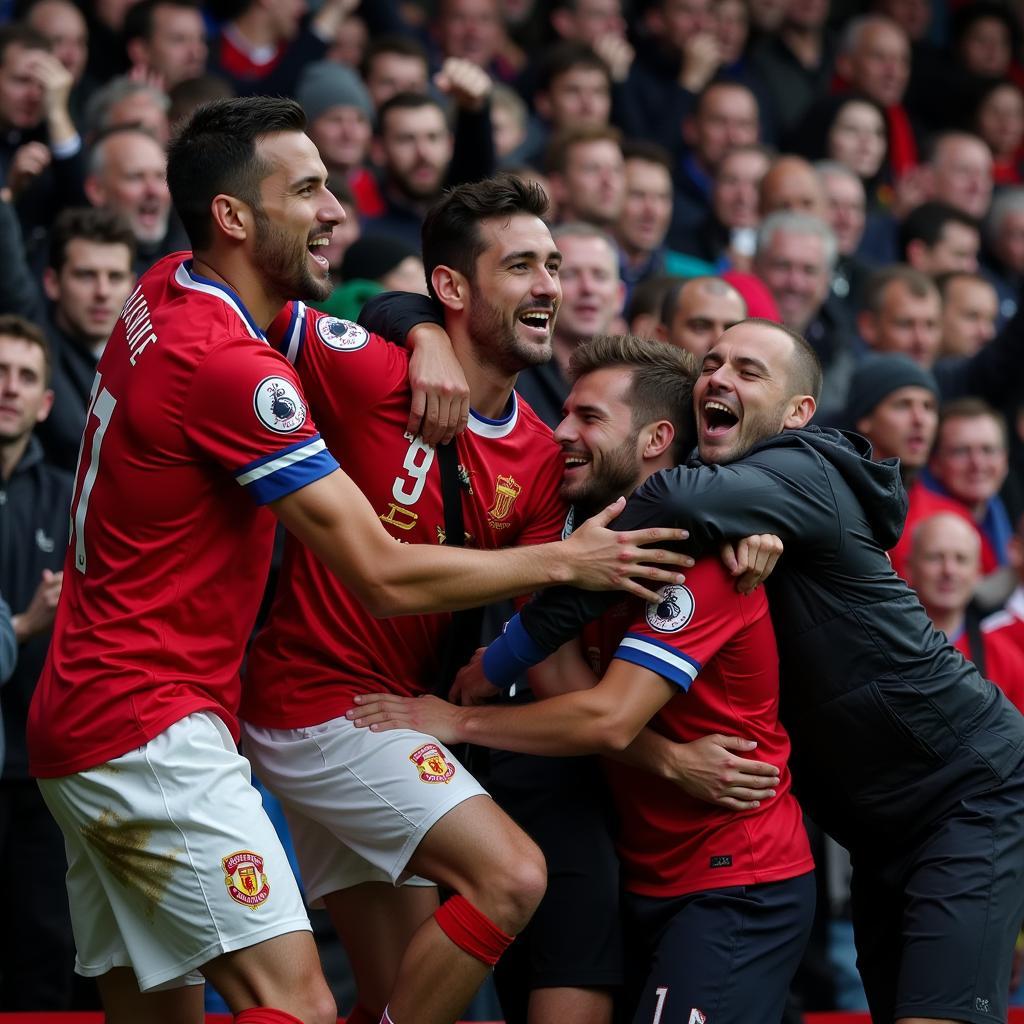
x=278, y=405
x=341, y=335
x=244, y=877
x=506, y=490
x=673, y=611
x=432, y=764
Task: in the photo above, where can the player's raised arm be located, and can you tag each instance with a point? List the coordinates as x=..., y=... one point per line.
x=333, y=518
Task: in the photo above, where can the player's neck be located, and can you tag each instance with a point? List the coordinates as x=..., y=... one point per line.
x=489, y=386
x=258, y=302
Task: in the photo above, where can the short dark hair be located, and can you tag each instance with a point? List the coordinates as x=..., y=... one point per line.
x=805, y=371
x=406, y=101
x=662, y=384
x=970, y=407
x=556, y=157
x=451, y=229
x=90, y=224
x=14, y=326
x=944, y=280
x=19, y=34
x=214, y=151
x=567, y=56
x=404, y=46
x=916, y=282
x=927, y=222
x=138, y=21
x=648, y=297
x=649, y=152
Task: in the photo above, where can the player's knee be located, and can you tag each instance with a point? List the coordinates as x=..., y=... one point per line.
x=516, y=884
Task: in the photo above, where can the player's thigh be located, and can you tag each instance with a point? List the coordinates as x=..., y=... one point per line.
x=172, y=861
x=725, y=955
x=375, y=794
x=575, y=937
x=964, y=907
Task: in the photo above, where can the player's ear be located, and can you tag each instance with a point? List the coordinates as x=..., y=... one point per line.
x=661, y=436
x=450, y=286
x=231, y=217
x=801, y=409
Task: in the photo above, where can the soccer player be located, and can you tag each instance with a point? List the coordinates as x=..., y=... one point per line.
x=704, y=662
x=195, y=425
x=901, y=750
x=410, y=812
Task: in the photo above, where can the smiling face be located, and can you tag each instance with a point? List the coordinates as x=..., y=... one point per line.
x=592, y=293
x=944, y=563
x=970, y=458
x=600, y=443
x=745, y=393
x=514, y=293
x=295, y=220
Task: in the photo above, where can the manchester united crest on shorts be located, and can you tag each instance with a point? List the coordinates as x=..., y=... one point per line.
x=432, y=764
x=244, y=877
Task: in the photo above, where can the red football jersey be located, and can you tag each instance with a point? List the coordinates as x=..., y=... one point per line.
x=195, y=422
x=923, y=503
x=1001, y=635
x=718, y=647
x=319, y=646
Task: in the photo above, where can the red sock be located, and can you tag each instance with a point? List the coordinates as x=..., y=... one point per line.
x=472, y=931
x=265, y=1015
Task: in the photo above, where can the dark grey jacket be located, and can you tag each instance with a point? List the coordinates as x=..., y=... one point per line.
x=890, y=725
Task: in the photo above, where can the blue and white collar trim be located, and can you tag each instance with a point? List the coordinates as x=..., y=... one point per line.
x=186, y=278
x=483, y=427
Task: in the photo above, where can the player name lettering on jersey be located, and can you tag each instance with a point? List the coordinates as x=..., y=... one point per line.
x=138, y=327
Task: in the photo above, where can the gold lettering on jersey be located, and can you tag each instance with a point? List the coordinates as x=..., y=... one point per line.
x=138, y=327
x=506, y=490
x=401, y=518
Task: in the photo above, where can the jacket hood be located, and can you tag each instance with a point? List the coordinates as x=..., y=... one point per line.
x=877, y=485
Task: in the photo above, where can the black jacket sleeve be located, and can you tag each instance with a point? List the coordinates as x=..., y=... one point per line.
x=393, y=315
x=765, y=493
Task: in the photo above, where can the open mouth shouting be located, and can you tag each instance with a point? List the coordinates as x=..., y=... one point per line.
x=537, y=322
x=717, y=418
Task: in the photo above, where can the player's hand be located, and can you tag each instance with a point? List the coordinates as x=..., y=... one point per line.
x=471, y=686
x=37, y=618
x=465, y=82
x=382, y=712
x=440, y=394
x=617, y=53
x=702, y=55
x=752, y=560
x=604, y=559
x=711, y=770
x=55, y=79
x=28, y=163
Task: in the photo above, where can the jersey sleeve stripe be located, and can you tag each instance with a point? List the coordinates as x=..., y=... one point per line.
x=675, y=666
x=294, y=335
x=293, y=474
x=280, y=453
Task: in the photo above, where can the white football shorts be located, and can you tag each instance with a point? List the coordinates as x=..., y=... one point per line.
x=171, y=859
x=357, y=802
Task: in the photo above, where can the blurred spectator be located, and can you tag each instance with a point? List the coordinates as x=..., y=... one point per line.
x=418, y=154
x=61, y=24
x=969, y=464
x=1004, y=248
x=732, y=27
x=795, y=257
x=586, y=173
x=370, y=265
x=124, y=102
x=394, y=64
x=646, y=306
x=728, y=237
x=194, y=92
x=106, y=48
x=128, y=175
x=643, y=222
x=902, y=313
x=1009, y=620
x=592, y=297
x=998, y=120
x=588, y=21
x=36, y=956
x=792, y=184
x=944, y=569
x=845, y=205
x=350, y=42
x=725, y=117
x=796, y=62
x=937, y=238
x=87, y=283
x=766, y=16
x=166, y=38
x=874, y=60
x=510, y=119
x=339, y=117
x=696, y=313
x=970, y=306
x=473, y=30
x=265, y=46
x=985, y=37
x=574, y=88
x=40, y=149
x=961, y=172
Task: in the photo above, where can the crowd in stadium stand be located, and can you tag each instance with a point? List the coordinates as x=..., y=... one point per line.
x=852, y=170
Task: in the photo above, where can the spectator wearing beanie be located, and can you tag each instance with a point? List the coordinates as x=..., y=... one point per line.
x=374, y=264
x=893, y=401
x=340, y=122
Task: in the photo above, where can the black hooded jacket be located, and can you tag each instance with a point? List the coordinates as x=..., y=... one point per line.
x=890, y=725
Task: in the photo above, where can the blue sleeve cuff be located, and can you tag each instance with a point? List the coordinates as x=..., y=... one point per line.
x=511, y=655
